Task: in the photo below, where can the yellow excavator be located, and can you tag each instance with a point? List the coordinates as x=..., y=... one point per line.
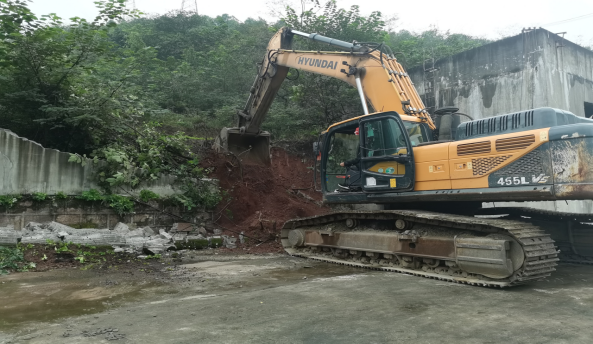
x=432, y=223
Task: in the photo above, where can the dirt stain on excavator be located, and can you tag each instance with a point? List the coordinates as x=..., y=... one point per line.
x=572, y=160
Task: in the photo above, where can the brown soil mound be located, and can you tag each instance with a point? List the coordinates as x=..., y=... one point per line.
x=263, y=198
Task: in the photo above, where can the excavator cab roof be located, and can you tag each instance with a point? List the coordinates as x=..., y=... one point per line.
x=353, y=119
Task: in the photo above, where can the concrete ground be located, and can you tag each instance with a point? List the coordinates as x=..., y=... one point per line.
x=280, y=299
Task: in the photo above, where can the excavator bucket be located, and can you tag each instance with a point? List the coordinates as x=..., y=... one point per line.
x=248, y=148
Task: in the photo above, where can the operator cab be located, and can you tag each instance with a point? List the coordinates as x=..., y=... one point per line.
x=382, y=150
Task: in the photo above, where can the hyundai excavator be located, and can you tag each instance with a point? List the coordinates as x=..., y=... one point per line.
x=433, y=223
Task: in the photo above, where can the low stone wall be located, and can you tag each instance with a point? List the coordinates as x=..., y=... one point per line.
x=83, y=214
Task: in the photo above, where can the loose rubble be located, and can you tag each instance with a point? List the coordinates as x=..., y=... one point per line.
x=122, y=238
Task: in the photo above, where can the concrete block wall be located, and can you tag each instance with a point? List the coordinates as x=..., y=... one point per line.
x=79, y=213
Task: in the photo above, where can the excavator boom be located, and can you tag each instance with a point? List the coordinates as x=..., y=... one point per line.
x=381, y=81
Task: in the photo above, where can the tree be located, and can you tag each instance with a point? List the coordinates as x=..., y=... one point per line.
x=45, y=63
x=433, y=43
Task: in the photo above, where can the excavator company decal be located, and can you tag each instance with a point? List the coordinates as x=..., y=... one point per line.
x=317, y=63
x=541, y=179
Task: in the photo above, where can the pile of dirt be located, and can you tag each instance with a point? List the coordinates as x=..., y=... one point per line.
x=262, y=198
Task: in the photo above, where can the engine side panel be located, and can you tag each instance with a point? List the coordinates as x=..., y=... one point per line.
x=469, y=164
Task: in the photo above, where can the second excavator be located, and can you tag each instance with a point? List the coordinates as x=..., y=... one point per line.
x=432, y=223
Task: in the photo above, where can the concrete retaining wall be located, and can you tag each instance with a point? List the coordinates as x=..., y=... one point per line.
x=27, y=167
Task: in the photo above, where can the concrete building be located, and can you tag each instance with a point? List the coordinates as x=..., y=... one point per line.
x=533, y=69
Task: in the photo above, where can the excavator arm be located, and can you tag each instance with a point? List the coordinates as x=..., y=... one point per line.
x=381, y=82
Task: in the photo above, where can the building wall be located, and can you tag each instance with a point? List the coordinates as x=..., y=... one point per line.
x=530, y=70
x=527, y=71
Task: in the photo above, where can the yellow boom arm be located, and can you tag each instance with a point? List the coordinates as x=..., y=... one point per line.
x=381, y=82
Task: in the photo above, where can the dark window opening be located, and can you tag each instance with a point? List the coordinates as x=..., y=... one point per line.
x=588, y=110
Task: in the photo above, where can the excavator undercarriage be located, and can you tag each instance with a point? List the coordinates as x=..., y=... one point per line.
x=478, y=251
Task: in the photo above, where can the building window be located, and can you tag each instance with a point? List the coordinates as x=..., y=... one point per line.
x=588, y=110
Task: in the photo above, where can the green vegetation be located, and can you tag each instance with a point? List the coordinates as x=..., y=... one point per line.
x=122, y=205
x=7, y=201
x=433, y=43
x=39, y=196
x=91, y=195
x=12, y=258
x=61, y=196
x=191, y=198
x=83, y=254
x=147, y=195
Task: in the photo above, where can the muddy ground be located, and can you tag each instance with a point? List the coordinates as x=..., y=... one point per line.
x=216, y=298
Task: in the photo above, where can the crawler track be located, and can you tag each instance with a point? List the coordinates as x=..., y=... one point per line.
x=540, y=253
x=566, y=220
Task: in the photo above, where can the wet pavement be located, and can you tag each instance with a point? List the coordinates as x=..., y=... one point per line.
x=30, y=297
x=280, y=299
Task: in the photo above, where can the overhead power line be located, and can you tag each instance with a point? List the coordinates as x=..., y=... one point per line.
x=569, y=20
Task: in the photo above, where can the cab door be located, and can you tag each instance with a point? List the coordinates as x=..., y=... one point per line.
x=387, y=158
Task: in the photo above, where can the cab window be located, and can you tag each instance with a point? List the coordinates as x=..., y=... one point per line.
x=382, y=137
x=343, y=146
x=415, y=133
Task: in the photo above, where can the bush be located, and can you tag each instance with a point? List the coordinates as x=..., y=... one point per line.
x=122, y=205
x=39, y=196
x=147, y=195
x=92, y=196
x=13, y=259
x=8, y=201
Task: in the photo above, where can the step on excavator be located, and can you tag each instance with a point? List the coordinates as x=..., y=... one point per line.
x=431, y=172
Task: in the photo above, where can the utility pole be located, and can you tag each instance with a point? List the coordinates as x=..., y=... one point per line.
x=186, y=6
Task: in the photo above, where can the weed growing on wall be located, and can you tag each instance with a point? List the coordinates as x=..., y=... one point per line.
x=120, y=204
x=39, y=196
x=91, y=195
x=8, y=201
x=147, y=195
